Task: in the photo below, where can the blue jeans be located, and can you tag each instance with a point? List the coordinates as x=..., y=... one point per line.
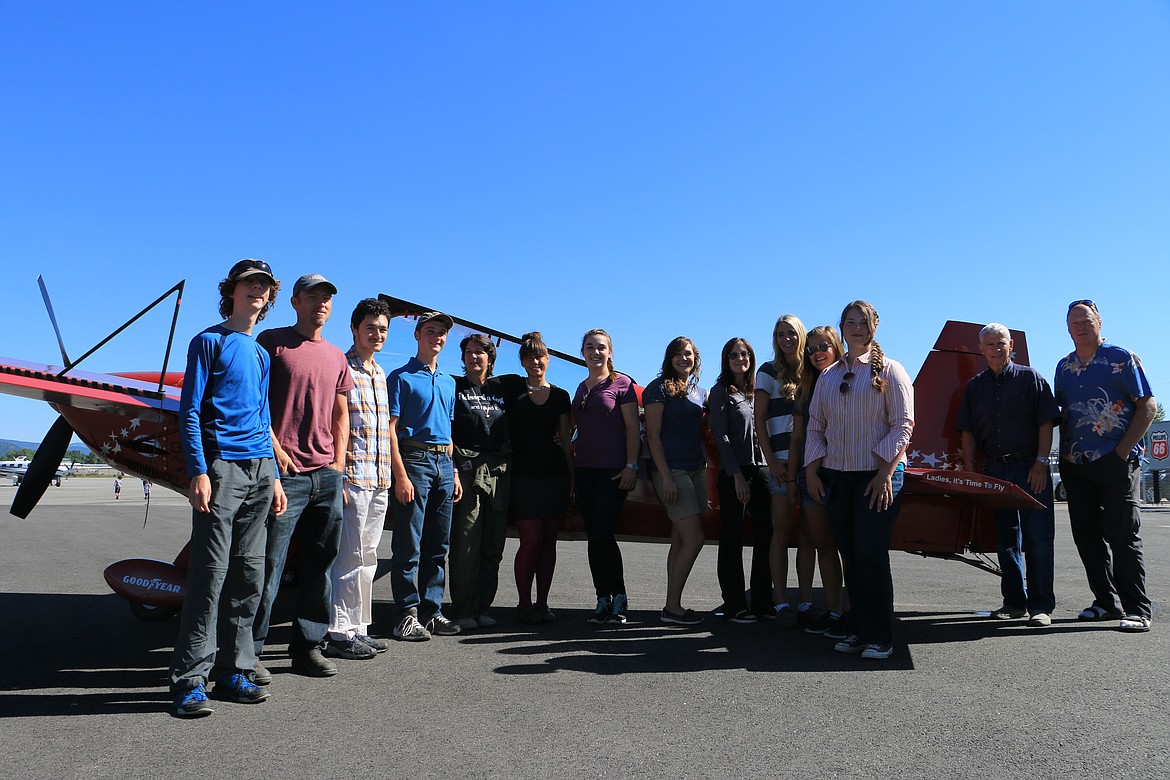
x=314, y=515
x=422, y=533
x=1025, y=536
x=863, y=538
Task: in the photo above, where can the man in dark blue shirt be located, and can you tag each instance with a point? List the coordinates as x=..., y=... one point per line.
x=1006, y=419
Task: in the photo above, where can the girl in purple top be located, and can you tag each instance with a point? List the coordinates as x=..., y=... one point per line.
x=675, y=405
x=605, y=414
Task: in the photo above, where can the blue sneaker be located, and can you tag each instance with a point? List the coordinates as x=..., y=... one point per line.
x=193, y=703
x=617, y=613
x=238, y=688
x=601, y=613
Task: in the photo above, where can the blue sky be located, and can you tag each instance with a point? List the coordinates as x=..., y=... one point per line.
x=650, y=168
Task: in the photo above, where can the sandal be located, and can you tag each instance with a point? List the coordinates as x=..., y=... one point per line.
x=1096, y=612
x=1135, y=623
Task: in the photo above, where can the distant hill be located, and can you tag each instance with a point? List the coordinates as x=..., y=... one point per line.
x=15, y=444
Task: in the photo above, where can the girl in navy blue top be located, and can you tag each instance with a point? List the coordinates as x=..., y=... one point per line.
x=674, y=405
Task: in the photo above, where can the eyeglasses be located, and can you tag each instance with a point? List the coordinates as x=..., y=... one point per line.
x=845, y=384
x=250, y=265
x=1083, y=302
x=813, y=349
x=742, y=354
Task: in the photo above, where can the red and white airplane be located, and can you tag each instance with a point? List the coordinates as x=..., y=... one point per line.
x=131, y=420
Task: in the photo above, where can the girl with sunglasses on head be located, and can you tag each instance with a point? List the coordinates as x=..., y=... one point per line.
x=859, y=424
x=741, y=483
x=541, y=477
x=823, y=349
x=776, y=385
x=605, y=467
x=674, y=405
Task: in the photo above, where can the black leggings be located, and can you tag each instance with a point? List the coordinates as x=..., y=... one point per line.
x=601, y=501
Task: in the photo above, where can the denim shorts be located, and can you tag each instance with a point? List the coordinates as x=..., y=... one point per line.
x=778, y=488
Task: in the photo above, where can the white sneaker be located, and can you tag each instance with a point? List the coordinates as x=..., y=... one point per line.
x=1039, y=619
x=410, y=630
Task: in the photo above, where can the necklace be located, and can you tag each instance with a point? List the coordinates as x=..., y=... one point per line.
x=536, y=389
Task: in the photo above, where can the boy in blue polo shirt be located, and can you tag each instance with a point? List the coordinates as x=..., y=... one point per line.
x=422, y=405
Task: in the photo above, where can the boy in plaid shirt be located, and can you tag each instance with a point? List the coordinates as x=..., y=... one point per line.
x=366, y=488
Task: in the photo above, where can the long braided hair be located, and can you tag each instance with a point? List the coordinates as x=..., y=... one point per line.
x=789, y=376
x=877, y=358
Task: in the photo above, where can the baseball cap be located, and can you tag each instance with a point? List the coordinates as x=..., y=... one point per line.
x=250, y=267
x=312, y=280
x=434, y=315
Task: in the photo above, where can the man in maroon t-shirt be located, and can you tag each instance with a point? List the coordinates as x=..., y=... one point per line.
x=310, y=428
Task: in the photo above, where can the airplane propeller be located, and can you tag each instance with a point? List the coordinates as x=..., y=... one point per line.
x=43, y=468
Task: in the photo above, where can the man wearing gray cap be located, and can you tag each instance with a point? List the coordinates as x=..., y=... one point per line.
x=310, y=428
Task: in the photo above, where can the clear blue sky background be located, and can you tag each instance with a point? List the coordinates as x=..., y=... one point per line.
x=651, y=168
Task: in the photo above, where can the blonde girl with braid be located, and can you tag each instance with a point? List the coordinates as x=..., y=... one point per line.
x=859, y=424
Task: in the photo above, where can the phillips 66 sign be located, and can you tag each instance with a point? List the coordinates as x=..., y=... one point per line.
x=1160, y=445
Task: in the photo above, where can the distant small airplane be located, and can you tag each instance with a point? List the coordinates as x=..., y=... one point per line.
x=18, y=468
x=131, y=421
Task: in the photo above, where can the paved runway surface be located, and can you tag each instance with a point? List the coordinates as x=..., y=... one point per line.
x=82, y=681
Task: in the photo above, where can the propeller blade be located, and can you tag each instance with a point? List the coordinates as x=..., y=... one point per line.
x=43, y=468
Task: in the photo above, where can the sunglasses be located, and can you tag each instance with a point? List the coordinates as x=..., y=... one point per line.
x=250, y=265
x=584, y=399
x=1083, y=302
x=740, y=354
x=845, y=384
x=813, y=349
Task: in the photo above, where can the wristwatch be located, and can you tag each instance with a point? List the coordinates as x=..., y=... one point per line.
x=1043, y=459
x=632, y=467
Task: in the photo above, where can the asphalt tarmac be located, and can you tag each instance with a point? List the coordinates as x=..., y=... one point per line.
x=83, y=682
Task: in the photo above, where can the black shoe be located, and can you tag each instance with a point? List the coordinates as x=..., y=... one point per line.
x=741, y=616
x=687, y=617
x=441, y=626
x=786, y=617
x=313, y=664
x=379, y=645
x=836, y=629
x=349, y=649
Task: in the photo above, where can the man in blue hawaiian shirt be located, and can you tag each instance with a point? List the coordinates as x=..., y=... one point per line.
x=1108, y=407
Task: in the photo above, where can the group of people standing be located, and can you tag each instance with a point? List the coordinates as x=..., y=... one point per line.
x=284, y=436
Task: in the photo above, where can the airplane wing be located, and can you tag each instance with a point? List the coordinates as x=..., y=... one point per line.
x=126, y=419
x=108, y=393
x=564, y=370
x=979, y=489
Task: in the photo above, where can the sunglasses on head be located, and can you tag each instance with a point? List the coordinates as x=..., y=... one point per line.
x=249, y=265
x=1083, y=302
x=813, y=349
